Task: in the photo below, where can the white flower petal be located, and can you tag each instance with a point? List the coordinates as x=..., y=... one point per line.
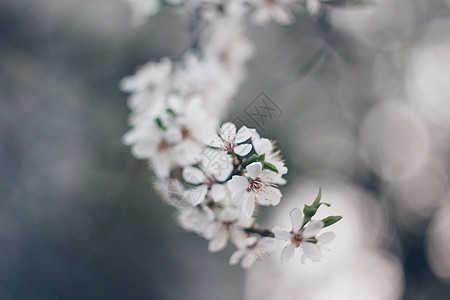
x=213, y=140
x=237, y=197
x=296, y=219
x=218, y=192
x=228, y=131
x=193, y=175
x=268, y=176
x=218, y=242
x=212, y=230
x=254, y=169
x=236, y=256
x=237, y=236
x=303, y=258
x=262, y=146
x=248, y=207
x=251, y=241
x=196, y=195
x=243, y=134
x=313, y=6
x=229, y=214
x=161, y=165
x=267, y=244
x=243, y=149
x=267, y=195
x=217, y=163
x=248, y=260
x=281, y=234
x=237, y=184
x=143, y=150
x=288, y=253
x=326, y=237
x=313, y=229
x=312, y=251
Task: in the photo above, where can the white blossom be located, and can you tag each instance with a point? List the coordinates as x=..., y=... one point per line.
x=277, y=10
x=196, y=218
x=313, y=6
x=266, y=147
x=142, y=9
x=206, y=184
x=253, y=249
x=231, y=141
x=302, y=237
x=256, y=185
x=214, y=178
x=228, y=226
x=159, y=146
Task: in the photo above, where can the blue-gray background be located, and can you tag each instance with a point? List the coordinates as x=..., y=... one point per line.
x=78, y=217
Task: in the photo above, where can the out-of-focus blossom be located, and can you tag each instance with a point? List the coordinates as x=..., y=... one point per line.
x=254, y=249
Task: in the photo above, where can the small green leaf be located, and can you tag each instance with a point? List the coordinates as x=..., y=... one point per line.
x=171, y=112
x=249, y=160
x=269, y=166
x=261, y=158
x=318, y=198
x=310, y=210
x=160, y=124
x=330, y=220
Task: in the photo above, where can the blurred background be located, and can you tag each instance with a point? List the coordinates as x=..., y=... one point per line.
x=365, y=99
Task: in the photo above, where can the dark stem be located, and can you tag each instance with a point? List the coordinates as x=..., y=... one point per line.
x=260, y=231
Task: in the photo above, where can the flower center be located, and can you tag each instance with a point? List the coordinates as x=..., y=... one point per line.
x=297, y=238
x=185, y=132
x=163, y=145
x=254, y=185
x=229, y=146
x=228, y=224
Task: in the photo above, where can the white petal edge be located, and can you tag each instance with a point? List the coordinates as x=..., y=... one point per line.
x=262, y=146
x=228, y=131
x=237, y=184
x=287, y=254
x=243, y=149
x=193, y=175
x=281, y=234
x=312, y=251
x=254, y=169
x=296, y=219
x=248, y=207
x=218, y=242
x=326, y=237
x=243, y=134
x=236, y=257
x=313, y=229
x=248, y=260
x=218, y=192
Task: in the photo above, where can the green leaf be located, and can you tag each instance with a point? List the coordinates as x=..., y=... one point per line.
x=310, y=210
x=331, y=220
x=261, y=158
x=171, y=112
x=160, y=124
x=249, y=160
x=318, y=198
x=269, y=166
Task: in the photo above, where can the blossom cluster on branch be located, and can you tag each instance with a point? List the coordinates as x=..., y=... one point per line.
x=216, y=177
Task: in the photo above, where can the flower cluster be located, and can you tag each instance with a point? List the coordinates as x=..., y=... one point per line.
x=259, y=11
x=216, y=177
x=177, y=106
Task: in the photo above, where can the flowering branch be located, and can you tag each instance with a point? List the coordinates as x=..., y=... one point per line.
x=216, y=177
